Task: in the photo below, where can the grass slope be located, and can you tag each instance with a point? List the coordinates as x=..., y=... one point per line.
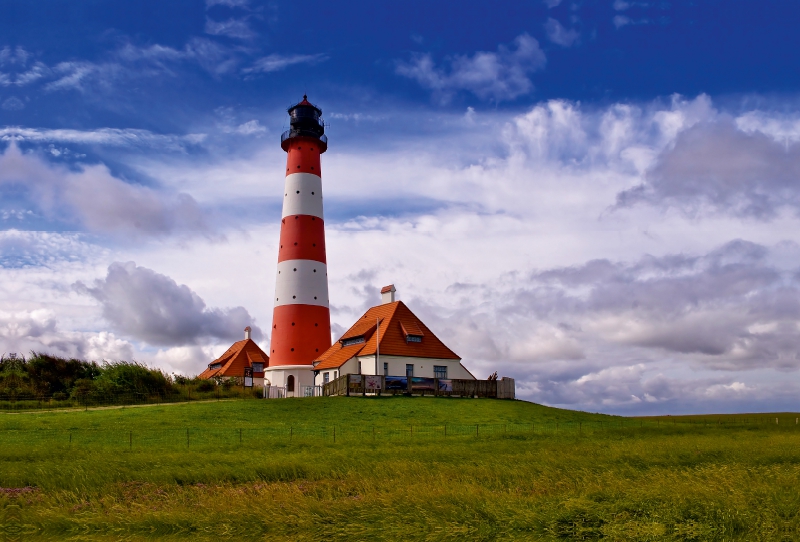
x=647, y=480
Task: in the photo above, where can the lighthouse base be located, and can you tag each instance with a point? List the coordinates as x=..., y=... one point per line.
x=289, y=381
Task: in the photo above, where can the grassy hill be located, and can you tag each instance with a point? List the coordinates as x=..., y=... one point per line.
x=502, y=470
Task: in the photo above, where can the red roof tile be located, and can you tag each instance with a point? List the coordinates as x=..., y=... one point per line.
x=396, y=322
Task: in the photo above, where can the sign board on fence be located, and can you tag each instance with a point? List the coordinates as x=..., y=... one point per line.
x=421, y=383
x=445, y=385
x=248, y=377
x=355, y=381
x=373, y=382
x=396, y=383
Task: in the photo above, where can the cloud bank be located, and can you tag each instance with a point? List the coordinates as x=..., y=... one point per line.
x=150, y=307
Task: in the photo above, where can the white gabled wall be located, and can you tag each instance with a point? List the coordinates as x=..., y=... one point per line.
x=397, y=367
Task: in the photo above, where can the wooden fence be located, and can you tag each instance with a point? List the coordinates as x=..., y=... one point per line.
x=357, y=384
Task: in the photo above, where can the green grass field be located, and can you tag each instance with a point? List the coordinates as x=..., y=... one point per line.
x=399, y=468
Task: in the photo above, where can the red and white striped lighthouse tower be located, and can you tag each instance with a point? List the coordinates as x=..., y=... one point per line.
x=301, y=322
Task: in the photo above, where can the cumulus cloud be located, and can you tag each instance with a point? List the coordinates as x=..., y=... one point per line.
x=38, y=330
x=97, y=200
x=501, y=75
x=150, y=307
x=729, y=308
x=718, y=167
x=560, y=35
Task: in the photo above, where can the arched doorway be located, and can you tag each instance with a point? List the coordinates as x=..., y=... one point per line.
x=290, y=384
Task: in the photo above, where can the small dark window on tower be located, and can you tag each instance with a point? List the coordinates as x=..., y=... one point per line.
x=295, y=297
x=312, y=193
x=292, y=323
x=298, y=191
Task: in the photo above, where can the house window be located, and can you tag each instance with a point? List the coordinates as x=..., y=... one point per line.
x=414, y=338
x=354, y=340
x=326, y=377
x=290, y=383
x=440, y=371
x=409, y=370
x=359, y=367
x=385, y=368
x=258, y=367
x=335, y=374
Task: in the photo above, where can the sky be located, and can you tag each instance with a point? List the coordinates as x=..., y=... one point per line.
x=599, y=199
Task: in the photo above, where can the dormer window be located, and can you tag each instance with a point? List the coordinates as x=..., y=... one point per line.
x=412, y=332
x=353, y=340
x=258, y=367
x=215, y=366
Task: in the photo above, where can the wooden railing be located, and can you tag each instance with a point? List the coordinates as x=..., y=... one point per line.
x=357, y=384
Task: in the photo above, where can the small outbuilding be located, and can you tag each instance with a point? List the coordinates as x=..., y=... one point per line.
x=389, y=339
x=241, y=358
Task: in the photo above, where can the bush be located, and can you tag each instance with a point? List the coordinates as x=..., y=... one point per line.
x=206, y=385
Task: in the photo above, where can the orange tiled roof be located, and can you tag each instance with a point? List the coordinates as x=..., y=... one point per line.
x=233, y=362
x=396, y=321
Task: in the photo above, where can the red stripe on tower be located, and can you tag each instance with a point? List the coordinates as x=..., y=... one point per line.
x=301, y=322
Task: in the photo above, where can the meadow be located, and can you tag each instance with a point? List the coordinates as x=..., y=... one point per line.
x=397, y=468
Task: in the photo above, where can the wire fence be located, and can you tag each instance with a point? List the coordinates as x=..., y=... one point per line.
x=286, y=434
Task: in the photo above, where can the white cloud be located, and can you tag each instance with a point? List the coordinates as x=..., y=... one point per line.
x=96, y=200
x=276, y=62
x=560, y=35
x=228, y=3
x=104, y=136
x=233, y=28
x=503, y=75
x=504, y=243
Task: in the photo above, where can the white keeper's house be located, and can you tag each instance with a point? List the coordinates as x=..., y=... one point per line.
x=389, y=340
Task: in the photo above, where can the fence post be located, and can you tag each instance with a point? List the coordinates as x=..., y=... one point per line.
x=187, y=438
x=130, y=440
x=476, y=430
x=240, y=436
x=580, y=428
x=334, y=434
x=445, y=430
x=291, y=432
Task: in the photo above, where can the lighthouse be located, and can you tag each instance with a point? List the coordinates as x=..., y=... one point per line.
x=301, y=322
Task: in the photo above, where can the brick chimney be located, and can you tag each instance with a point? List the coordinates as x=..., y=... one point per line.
x=387, y=294
x=247, y=333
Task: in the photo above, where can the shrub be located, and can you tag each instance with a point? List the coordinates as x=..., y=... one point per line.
x=206, y=385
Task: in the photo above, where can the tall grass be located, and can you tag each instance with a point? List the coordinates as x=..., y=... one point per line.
x=656, y=482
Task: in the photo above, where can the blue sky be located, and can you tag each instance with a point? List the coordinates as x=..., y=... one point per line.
x=598, y=198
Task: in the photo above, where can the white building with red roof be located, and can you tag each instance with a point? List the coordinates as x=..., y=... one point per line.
x=389, y=339
x=241, y=359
